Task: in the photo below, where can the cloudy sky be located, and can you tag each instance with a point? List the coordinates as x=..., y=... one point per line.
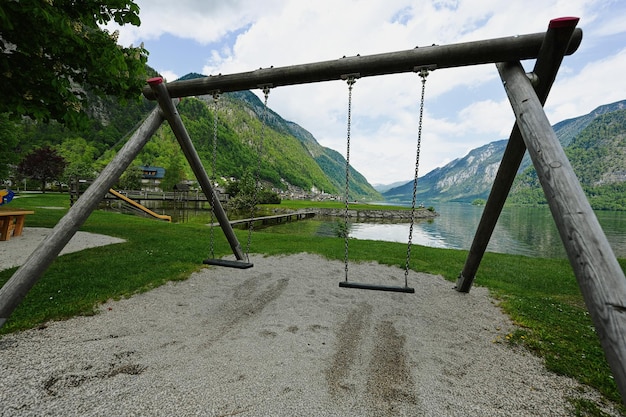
x=465, y=107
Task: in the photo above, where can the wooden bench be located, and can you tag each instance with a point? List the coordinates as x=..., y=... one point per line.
x=12, y=223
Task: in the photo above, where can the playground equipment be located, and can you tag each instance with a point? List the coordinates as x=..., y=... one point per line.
x=599, y=275
x=211, y=260
x=6, y=196
x=346, y=283
x=140, y=206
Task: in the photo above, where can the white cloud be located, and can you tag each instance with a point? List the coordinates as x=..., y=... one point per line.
x=597, y=83
x=488, y=118
x=466, y=107
x=609, y=19
x=204, y=21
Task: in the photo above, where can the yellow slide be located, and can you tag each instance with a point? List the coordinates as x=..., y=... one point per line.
x=140, y=207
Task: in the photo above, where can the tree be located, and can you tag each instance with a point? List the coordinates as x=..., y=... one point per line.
x=242, y=193
x=43, y=164
x=174, y=174
x=9, y=139
x=130, y=179
x=245, y=194
x=79, y=156
x=53, y=51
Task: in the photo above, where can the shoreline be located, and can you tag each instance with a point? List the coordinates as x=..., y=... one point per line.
x=420, y=213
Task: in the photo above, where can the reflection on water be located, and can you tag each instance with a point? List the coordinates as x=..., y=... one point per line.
x=399, y=233
x=520, y=230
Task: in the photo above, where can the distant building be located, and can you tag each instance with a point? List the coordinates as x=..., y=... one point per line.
x=151, y=178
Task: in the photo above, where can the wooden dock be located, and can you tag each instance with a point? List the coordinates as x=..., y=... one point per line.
x=276, y=218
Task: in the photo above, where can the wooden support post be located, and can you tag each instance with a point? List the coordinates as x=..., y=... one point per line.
x=599, y=275
x=14, y=291
x=512, y=48
x=551, y=55
x=176, y=123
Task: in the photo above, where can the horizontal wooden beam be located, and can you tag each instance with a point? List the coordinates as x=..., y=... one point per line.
x=512, y=48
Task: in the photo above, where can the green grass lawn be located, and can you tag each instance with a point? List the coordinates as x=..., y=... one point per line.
x=540, y=295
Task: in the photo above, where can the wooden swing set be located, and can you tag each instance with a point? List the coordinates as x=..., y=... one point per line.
x=599, y=275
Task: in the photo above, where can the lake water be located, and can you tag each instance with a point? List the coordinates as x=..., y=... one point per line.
x=520, y=230
x=526, y=231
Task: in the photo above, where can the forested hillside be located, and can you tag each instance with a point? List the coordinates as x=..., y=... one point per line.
x=598, y=157
x=593, y=142
x=291, y=157
x=330, y=162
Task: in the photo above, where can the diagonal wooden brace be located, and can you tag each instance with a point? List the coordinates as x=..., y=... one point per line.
x=16, y=288
x=176, y=123
x=551, y=55
x=599, y=275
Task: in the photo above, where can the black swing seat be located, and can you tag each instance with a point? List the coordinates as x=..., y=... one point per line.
x=228, y=264
x=348, y=284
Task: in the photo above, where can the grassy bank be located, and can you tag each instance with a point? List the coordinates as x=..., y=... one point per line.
x=541, y=295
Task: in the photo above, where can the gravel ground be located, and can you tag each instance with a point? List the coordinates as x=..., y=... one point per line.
x=15, y=251
x=282, y=339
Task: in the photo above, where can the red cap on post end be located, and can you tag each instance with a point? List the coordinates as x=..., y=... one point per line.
x=563, y=22
x=155, y=81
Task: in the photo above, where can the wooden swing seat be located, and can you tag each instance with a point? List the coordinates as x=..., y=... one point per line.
x=228, y=264
x=391, y=288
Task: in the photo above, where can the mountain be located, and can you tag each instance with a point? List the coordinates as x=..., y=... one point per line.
x=598, y=156
x=568, y=129
x=381, y=188
x=292, y=159
x=462, y=180
x=331, y=162
x=471, y=177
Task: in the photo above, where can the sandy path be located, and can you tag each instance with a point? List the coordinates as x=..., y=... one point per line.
x=282, y=339
x=16, y=250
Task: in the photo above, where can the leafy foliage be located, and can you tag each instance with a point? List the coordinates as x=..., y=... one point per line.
x=130, y=179
x=598, y=157
x=43, y=164
x=79, y=156
x=244, y=194
x=286, y=160
x=174, y=173
x=9, y=139
x=52, y=51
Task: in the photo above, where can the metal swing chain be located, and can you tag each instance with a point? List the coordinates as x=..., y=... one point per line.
x=350, y=80
x=255, y=196
x=216, y=97
x=423, y=74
